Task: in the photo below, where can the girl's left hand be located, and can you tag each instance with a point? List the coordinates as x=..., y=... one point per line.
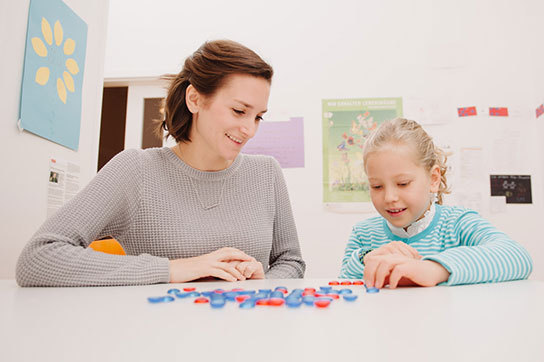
x=250, y=269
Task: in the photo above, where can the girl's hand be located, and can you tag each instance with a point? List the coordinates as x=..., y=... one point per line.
x=426, y=273
x=400, y=269
x=394, y=247
x=215, y=264
x=251, y=269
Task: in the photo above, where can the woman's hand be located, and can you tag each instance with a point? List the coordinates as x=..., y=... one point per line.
x=251, y=269
x=396, y=269
x=215, y=264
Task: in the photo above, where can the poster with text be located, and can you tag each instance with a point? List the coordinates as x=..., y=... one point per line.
x=347, y=123
x=516, y=188
x=56, y=43
x=283, y=140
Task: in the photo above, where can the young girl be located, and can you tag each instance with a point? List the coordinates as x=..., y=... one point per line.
x=417, y=240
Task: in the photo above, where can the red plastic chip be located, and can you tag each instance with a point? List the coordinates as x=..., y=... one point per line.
x=276, y=302
x=322, y=303
x=241, y=298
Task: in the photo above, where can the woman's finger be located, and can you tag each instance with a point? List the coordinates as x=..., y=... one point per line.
x=231, y=270
x=243, y=268
x=253, y=269
x=221, y=274
x=227, y=254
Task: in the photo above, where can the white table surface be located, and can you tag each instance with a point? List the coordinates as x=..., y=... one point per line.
x=491, y=322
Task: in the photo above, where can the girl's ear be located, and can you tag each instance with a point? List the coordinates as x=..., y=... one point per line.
x=435, y=178
x=192, y=99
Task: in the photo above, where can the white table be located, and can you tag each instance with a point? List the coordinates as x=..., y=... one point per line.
x=493, y=322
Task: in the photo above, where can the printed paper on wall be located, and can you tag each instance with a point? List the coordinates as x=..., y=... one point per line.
x=347, y=123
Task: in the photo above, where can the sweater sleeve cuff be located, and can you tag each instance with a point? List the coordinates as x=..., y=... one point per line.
x=164, y=270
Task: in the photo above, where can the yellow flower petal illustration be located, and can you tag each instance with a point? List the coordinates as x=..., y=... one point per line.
x=39, y=47
x=46, y=31
x=42, y=75
x=69, y=46
x=58, y=33
x=69, y=81
x=61, y=90
x=72, y=66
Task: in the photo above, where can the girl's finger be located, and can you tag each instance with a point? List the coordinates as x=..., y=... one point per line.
x=396, y=275
x=371, y=263
x=382, y=271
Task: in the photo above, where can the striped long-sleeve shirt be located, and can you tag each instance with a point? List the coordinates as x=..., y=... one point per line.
x=468, y=246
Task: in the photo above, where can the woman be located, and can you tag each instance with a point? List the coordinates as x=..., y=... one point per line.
x=199, y=209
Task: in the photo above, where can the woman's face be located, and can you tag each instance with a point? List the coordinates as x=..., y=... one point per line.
x=224, y=122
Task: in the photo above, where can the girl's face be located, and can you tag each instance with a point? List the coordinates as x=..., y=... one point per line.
x=399, y=186
x=224, y=122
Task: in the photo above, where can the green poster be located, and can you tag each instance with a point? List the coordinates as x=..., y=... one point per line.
x=346, y=125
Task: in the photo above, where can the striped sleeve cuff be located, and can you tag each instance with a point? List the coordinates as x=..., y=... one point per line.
x=352, y=268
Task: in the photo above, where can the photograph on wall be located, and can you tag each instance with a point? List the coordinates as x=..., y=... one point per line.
x=347, y=123
x=516, y=188
x=63, y=183
x=56, y=43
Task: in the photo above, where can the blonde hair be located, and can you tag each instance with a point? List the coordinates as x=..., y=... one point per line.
x=404, y=131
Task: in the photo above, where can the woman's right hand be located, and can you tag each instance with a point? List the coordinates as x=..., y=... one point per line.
x=215, y=264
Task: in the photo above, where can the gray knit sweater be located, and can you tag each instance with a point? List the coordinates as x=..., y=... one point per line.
x=159, y=208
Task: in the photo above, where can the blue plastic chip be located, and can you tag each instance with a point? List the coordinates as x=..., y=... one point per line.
x=164, y=299
x=350, y=297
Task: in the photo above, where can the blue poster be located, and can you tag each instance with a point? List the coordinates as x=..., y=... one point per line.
x=56, y=42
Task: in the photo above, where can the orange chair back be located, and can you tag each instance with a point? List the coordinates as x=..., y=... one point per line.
x=108, y=246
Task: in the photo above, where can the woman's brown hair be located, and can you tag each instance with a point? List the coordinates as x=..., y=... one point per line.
x=206, y=70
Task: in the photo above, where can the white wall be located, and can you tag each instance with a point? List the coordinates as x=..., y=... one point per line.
x=450, y=54
x=25, y=157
